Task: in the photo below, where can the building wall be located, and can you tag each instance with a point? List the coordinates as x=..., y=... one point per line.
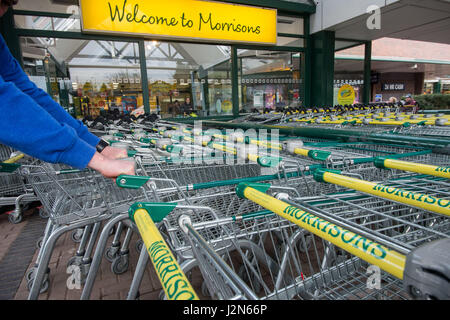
x=389, y=47
x=413, y=84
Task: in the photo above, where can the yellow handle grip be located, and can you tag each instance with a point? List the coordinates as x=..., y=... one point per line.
x=443, y=172
x=372, y=252
x=411, y=198
x=14, y=159
x=301, y=152
x=173, y=280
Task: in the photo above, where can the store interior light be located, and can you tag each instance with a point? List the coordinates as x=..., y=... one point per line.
x=153, y=44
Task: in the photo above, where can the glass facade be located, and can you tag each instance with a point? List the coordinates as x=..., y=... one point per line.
x=186, y=78
x=89, y=76
x=270, y=80
x=348, y=72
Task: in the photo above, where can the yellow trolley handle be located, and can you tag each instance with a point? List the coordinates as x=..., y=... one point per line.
x=173, y=280
x=418, y=200
x=15, y=158
x=383, y=163
x=389, y=260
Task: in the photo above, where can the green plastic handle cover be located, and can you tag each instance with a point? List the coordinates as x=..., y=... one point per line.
x=131, y=153
x=262, y=187
x=318, y=174
x=9, y=167
x=157, y=211
x=131, y=182
x=68, y=171
x=174, y=149
x=319, y=155
x=266, y=161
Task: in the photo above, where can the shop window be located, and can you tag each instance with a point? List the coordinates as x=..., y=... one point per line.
x=348, y=75
x=270, y=80
x=187, y=78
x=48, y=23
x=87, y=77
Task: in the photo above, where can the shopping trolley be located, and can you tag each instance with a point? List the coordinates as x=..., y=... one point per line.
x=396, y=223
x=170, y=181
x=259, y=255
x=13, y=186
x=74, y=199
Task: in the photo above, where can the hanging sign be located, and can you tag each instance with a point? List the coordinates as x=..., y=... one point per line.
x=346, y=95
x=181, y=19
x=393, y=87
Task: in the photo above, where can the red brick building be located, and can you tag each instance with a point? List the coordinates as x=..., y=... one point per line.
x=399, y=67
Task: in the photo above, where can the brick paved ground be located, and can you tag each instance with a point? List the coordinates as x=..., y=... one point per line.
x=108, y=286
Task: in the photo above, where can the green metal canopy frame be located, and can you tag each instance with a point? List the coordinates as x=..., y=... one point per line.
x=289, y=8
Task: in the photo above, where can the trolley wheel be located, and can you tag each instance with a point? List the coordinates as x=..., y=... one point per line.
x=42, y=213
x=74, y=261
x=77, y=235
x=30, y=274
x=44, y=287
x=251, y=280
x=120, y=264
x=39, y=242
x=205, y=291
x=15, y=219
x=139, y=245
x=111, y=253
x=161, y=295
x=305, y=243
x=112, y=231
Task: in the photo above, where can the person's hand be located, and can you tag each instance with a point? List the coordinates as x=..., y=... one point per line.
x=114, y=153
x=111, y=168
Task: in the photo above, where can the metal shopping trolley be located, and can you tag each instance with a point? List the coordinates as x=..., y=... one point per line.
x=269, y=257
x=13, y=187
x=74, y=199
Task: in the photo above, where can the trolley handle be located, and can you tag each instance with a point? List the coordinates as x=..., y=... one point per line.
x=388, y=163
x=173, y=280
x=136, y=182
x=14, y=159
x=10, y=165
x=425, y=270
x=411, y=198
x=372, y=252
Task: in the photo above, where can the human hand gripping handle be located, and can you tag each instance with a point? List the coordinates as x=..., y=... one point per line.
x=111, y=168
x=114, y=153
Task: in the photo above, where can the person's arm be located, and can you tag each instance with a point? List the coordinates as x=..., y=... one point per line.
x=11, y=71
x=25, y=126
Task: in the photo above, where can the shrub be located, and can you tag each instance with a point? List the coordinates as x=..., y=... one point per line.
x=433, y=101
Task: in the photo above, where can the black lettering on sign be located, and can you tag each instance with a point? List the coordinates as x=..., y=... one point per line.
x=206, y=21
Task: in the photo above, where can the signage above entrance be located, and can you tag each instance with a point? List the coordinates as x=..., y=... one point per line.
x=191, y=20
x=393, y=87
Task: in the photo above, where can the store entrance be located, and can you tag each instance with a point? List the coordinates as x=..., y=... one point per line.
x=94, y=77
x=271, y=80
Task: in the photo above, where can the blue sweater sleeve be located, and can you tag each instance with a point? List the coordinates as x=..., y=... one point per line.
x=11, y=71
x=25, y=126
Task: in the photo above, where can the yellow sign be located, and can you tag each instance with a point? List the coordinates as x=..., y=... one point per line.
x=181, y=19
x=346, y=95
